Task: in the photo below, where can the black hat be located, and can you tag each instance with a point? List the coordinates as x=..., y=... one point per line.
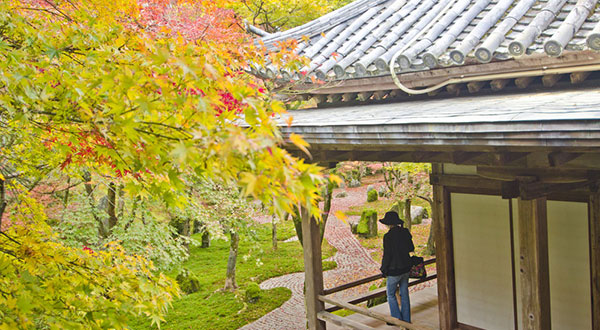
x=391, y=218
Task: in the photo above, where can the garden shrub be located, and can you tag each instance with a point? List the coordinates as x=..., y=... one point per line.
x=372, y=196
x=188, y=282
x=253, y=292
x=367, y=226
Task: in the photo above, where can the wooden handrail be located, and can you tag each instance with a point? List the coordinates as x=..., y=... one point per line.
x=364, y=280
x=372, y=314
x=379, y=293
x=352, y=284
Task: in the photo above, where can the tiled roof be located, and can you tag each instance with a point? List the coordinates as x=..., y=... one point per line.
x=360, y=39
x=560, y=118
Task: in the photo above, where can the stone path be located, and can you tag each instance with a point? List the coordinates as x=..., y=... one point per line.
x=353, y=262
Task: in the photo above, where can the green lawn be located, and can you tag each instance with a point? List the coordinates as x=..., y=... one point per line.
x=211, y=309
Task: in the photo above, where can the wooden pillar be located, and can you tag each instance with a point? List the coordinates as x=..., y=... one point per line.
x=313, y=271
x=594, y=227
x=535, y=284
x=444, y=255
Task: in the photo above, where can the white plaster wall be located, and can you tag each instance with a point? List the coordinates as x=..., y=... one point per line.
x=568, y=259
x=481, y=235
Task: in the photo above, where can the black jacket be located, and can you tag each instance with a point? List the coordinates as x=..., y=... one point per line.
x=397, y=244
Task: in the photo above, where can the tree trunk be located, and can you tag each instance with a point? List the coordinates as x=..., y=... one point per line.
x=205, y=240
x=121, y=205
x=407, y=215
x=230, y=284
x=66, y=198
x=2, y=201
x=89, y=190
x=430, y=250
x=274, y=232
x=111, y=208
x=187, y=233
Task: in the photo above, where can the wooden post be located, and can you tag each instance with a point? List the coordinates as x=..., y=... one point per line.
x=594, y=226
x=535, y=283
x=313, y=271
x=444, y=254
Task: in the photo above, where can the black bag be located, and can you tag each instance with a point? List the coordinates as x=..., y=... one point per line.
x=418, y=268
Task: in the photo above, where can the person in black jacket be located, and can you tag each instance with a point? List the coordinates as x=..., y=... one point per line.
x=395, y=265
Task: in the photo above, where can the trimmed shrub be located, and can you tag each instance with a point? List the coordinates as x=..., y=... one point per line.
x=372, y=196
x=188, y=282
x=367, y=226
x=253, y=292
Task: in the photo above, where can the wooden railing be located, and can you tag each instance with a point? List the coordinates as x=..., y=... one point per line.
x=350, y=304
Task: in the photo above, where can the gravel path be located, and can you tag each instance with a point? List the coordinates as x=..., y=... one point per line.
x=353, y=262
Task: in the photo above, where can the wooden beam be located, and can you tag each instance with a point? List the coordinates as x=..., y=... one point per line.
x=320, y=99
x=364, y=96
x=442, y=225
x=379, y=95
x=467, y=181
x=499, y=84
x=550, y=80
x=349, y=97
x=431, y=77
x=524, y=82
x=313, y=270
x=505, y=158
x=343, y=322
x=475, y=86
x=557, y=159
x=579, y=77
x=334, y=98
x=372, y=314
x=533, y=190
x=545, y=175
x=461, y=157
x=535, y=283
x=454, y=89
x=594, y=237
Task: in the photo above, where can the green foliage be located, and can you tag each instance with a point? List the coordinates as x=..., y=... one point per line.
x=210, y=308
x=379, y=300
x=365, y=224
x=372, y=196
x=253, y=292
x=47, y=283
x=141, y=233
x=273, y=15
x=188, y=282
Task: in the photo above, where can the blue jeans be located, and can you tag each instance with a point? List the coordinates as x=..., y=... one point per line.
x=394, y=283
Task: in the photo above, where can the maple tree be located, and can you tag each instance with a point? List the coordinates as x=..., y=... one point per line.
x=273, y=15
x=407, y=181
x=140, y=94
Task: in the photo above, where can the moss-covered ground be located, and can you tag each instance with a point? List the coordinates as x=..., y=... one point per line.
x=211, y=308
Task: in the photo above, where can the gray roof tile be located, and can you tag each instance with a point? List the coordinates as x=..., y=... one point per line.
x=366, y=34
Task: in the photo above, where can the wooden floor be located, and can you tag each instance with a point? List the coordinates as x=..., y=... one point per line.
x=424, y=311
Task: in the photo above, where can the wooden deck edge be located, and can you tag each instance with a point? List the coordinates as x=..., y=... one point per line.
x=372, y=314
x=342, y=321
